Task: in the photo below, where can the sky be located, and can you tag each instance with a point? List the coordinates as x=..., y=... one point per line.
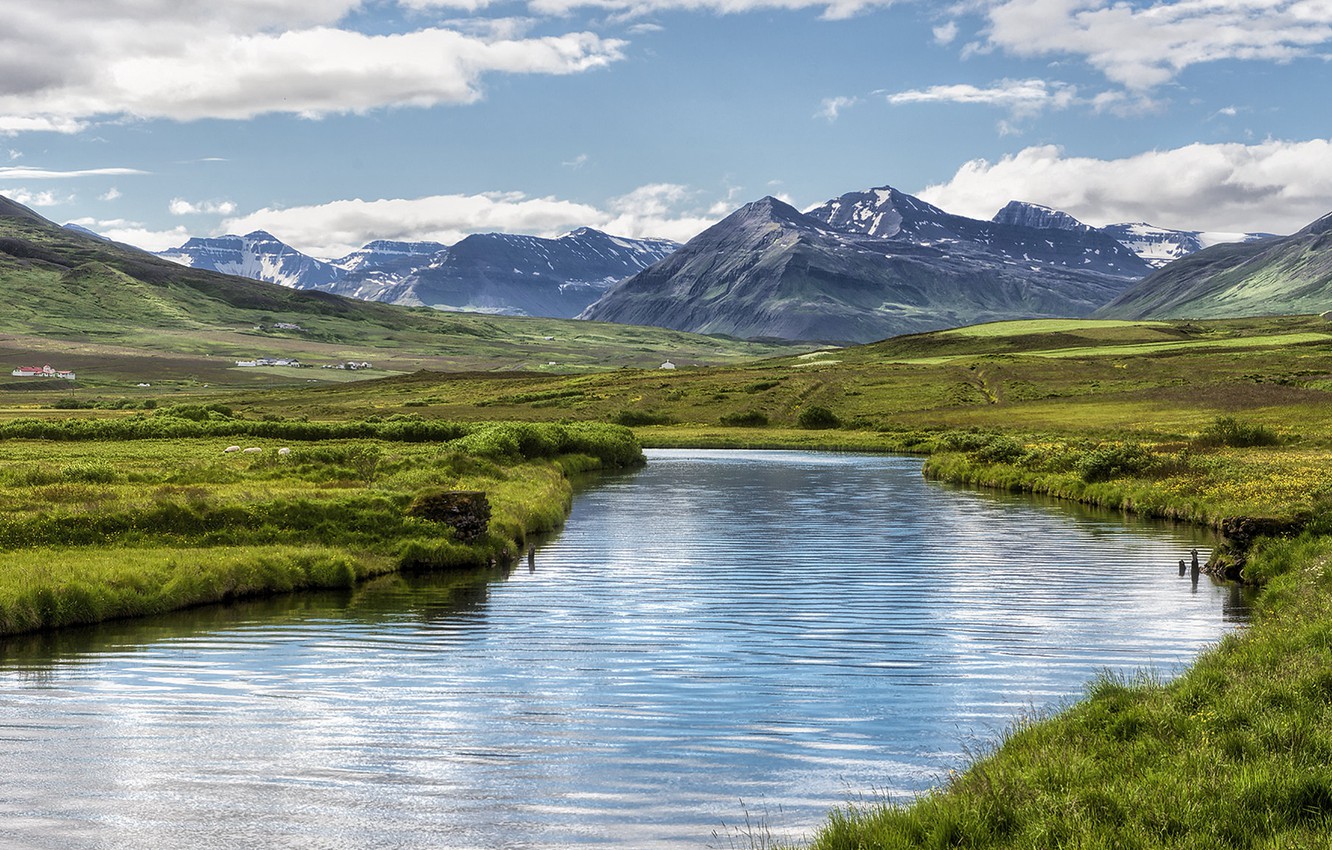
x=331, y=123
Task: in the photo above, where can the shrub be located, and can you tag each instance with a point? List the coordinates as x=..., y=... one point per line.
x=816, y=417
x=1000, y=449
x=467, y=512
x=1229, y=431
x=748, y=419
x=1111, y=461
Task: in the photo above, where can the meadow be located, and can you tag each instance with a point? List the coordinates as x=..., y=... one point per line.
x=106, y=518
x=1225, y=423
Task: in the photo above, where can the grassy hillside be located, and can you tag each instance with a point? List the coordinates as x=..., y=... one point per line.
x=119, y=317
x=1289, y=274
x=1104, y=377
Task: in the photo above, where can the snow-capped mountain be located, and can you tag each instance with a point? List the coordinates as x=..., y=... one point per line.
x=865, y=266
x=1154, y=245
x=1160, y=245
x=1034, y=215
x=491, y=272
x=508, y=273
x=260, y=256
x=886, y=213
x=385, y=254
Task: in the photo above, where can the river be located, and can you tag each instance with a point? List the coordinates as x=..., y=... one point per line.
x=719, y=637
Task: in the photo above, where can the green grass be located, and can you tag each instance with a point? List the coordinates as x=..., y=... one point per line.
x=93, y=527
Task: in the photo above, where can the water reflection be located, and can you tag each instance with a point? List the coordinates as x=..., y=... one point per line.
x=790, y=630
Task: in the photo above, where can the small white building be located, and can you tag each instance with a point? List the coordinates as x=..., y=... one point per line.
x=667, y=365
x=42, y=372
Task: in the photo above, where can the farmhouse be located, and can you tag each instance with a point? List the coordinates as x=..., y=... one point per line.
x=269, y=361
x=42, y=372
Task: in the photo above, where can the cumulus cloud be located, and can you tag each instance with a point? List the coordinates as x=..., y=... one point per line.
x=180, y=206
x=29, y=198
x=1275, y=186
x=1145, y=45
x=1021, y=97
x=335, y=229
x=191, y=59
x=945, y=33
x=832, y=9
x=135, y=233
x=112, y=194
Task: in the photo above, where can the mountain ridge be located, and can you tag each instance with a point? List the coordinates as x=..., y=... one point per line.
x=770, y=271
x=509, y=274
x=1273, y=276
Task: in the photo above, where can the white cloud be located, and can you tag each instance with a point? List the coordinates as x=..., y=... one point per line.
x=191, y=59
x=577, y=162
x=664, y=211
x=112, y=194
x=1021, y=97
x=831, y=107
x=12, y=125
x=832, y=9
x=1145, y=45
x=1275, y=186
x=945, y=33
x=180, y=206
x=18, y=173
x=33, y=199
x=335, y=229
x=134, y=233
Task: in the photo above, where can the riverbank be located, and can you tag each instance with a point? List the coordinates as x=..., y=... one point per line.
x=1237, y=751
x=103, y=519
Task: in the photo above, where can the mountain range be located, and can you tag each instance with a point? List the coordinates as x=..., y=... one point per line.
x=1042, y=260
x=486, y=272
x=869, y=265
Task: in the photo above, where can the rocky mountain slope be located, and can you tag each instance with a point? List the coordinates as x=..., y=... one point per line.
x=866, y=266
x=490, y=272
x=1275, y=276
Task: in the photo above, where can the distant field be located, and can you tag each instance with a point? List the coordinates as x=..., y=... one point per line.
x=1046, y=326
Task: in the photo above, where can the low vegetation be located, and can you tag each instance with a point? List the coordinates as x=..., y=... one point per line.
x=100, y=521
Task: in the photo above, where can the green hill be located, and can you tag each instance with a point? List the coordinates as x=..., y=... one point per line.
x=1279, y=276
x=116, y=314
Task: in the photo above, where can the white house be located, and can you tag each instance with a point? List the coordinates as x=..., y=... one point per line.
x=42, y=372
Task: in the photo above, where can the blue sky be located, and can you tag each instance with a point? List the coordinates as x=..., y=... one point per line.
x=334, y=122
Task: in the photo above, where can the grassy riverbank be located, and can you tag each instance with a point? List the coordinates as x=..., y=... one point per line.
x=112, y=518
x=1237, y=752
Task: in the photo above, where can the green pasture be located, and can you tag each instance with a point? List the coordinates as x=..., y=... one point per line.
x=105, y=518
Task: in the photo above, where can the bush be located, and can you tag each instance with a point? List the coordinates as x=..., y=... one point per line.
x=1229, y=431
x=817, y=417
x=1000, y=449
x=748, y=419
x=1111, y=461
x=467, y=512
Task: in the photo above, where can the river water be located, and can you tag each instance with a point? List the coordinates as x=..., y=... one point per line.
x=720, y=637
